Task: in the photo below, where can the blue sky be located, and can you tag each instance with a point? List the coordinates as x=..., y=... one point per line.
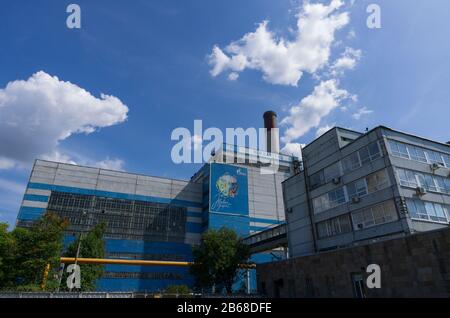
x=154, y=59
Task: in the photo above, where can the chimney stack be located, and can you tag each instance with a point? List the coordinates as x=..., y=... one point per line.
x=272, y=134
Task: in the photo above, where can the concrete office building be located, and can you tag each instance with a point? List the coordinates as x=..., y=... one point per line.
x=360, y=187
x=152, y=218
x=357, y=189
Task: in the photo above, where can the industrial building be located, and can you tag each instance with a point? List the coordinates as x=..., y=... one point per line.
x=153, y=218
x=357, y=189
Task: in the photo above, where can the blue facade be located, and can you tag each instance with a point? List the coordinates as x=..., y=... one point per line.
x=227, y=183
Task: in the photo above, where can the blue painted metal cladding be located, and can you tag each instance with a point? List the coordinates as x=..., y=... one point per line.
x=240, y=224
x=109, y=194
x=181, y=275
x=27, y=213
x=35, y=197
x=228, y=189
x=32, y=214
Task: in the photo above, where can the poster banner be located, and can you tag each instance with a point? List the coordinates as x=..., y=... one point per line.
x=228, y=189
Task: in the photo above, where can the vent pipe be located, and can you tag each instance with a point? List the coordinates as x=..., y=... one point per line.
x=272, y=133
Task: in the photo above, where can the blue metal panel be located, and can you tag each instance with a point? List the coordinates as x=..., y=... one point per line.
x=193, y=227
x=238, y=223
x=117, y=195
x=35, y=197
x=228, y=189
x=30, y=214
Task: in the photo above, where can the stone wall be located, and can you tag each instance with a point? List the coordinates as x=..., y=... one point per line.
x=412, y=266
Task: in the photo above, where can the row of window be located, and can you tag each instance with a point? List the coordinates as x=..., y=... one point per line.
x=430, y=211
x=419, y=154
x=146, y=256
x=124, y=218
x=143, y=275
x=414, y=179
x=349, y=163
x=375, y=215
x=359, y=188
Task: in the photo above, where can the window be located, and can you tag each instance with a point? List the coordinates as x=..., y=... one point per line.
x=321, y=203
x=434, y=157
x=351, y=162
x=375, y=215
x=361, y=157
x=374, y=151
x=417, y=154
x=331, y=172
x=441, y=184
x=357, y=189
x=407, y=178
x=447, y=184
x=430, y=182
x=334, y=226
x=398, y=149
x=329, y=200
x=447, y=160
x=358, y=286
x=337, y=197
x=125, y=219
x=377, y=181
x=426, y=181
x=364, y=155
x=429, y=211
x=316, y=180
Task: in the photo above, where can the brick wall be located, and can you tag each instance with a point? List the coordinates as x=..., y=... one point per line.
x=412, y=266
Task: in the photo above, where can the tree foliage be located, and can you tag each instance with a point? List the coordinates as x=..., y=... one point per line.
x=92, y=246
x=217, y=259
x=179, y=290
x=25, y=252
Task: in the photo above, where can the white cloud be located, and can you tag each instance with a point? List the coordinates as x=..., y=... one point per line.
x=76, y=159
x=111, y=164
x=311, y=109
x=280, y=60
x=6, y=163
x=293, y=149
x=11, y=186
x=361, y=112
x=347, y=61
x=233, y=76
x=38, y=113
x=57, y=156
x=321, y=130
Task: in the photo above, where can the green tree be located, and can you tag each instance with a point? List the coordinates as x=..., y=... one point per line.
x=25, y=252
x=217, y=259
x=92, y=246
x=180, y=290
x=7, y=252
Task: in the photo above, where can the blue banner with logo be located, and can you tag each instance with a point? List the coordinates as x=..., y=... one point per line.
x=228, y=189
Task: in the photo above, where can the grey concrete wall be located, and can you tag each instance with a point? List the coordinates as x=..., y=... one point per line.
x=412, y=266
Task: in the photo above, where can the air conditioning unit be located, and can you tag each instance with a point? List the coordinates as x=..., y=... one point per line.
x=435, y=166
x=421, y=190
x=360, y=226
x=356, y=199
x=337, y=180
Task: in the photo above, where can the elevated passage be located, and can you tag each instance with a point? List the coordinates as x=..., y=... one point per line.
x=268, y=239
